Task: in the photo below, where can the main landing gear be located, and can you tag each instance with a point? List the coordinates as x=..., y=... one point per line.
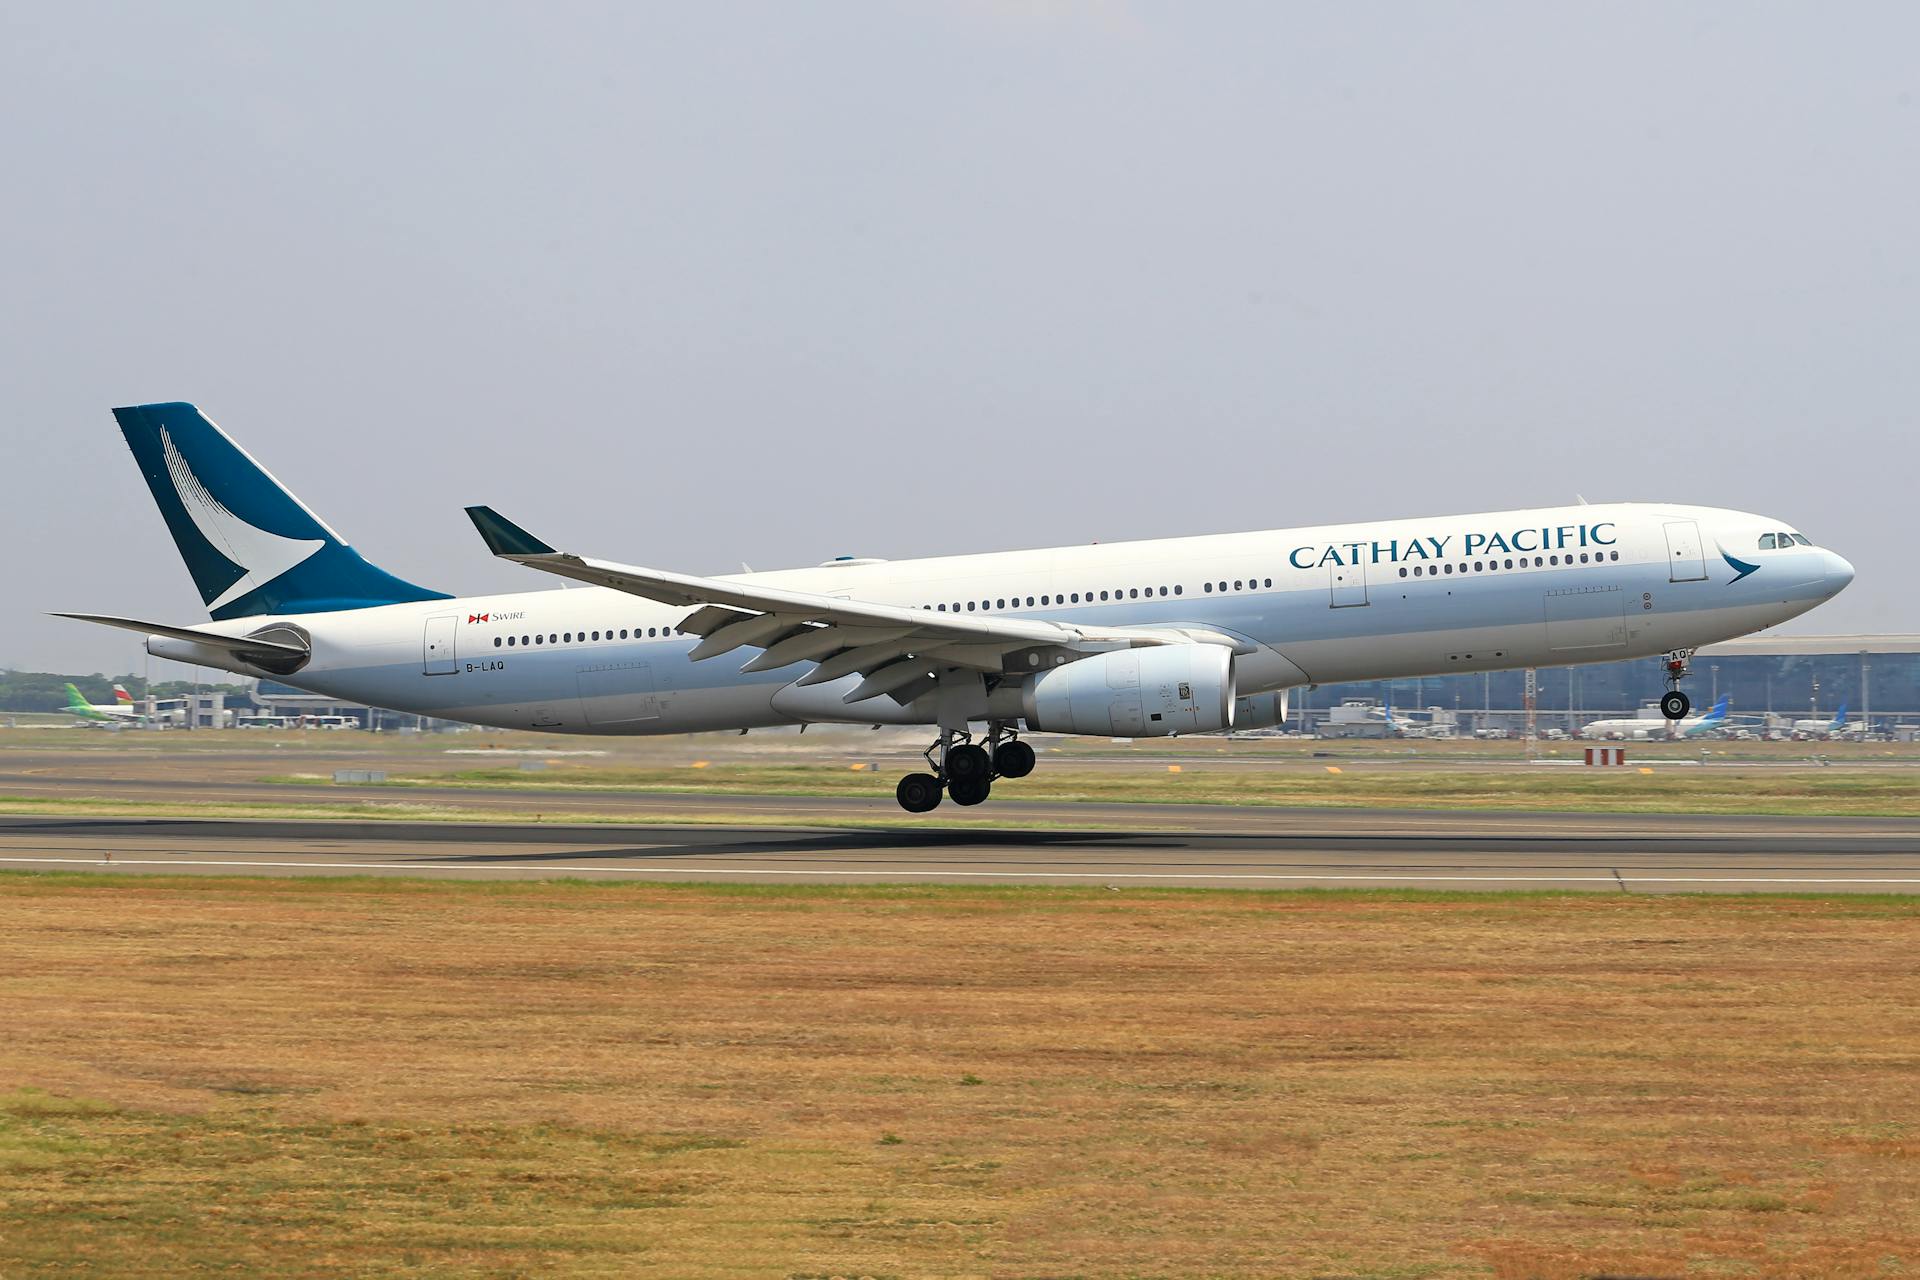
x=1674, y=704
x=965, y=770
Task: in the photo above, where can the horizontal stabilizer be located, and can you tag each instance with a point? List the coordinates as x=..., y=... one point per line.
x=193, y=635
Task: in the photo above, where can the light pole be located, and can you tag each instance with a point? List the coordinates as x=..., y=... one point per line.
x=1714, y=668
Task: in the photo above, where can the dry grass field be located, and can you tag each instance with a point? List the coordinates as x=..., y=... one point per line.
x=273, y=1077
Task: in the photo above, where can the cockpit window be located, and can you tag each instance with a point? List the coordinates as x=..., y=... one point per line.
x=1801, y=538
x=1766, y=542
x=1786, y=538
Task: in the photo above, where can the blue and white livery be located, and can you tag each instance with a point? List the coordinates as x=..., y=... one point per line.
x=1137, y=639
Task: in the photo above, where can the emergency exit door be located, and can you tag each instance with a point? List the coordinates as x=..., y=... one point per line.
x=1346, y=584
x=1685, y=563
x=436, y=649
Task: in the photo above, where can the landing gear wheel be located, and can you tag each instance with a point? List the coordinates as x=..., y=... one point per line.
x=918, y=792
x=969, y=790
x=1675, y=705
x=1013, y=760
x=968, y=763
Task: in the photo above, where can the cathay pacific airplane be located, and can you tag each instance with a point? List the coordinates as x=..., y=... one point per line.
x=1134, y=639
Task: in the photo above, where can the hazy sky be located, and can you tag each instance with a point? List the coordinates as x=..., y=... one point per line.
x=687, y=285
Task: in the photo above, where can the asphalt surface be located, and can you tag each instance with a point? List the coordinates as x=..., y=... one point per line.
x=1155, y=845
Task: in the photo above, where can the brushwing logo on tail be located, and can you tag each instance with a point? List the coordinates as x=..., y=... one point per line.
x=264, y=556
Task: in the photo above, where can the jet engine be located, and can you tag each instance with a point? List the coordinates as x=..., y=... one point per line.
x=1135, y=693
x=1260, y=710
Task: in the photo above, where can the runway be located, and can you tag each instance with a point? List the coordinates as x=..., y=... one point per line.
x=1152, y=845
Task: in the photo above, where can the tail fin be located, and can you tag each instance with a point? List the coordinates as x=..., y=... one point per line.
x=121, y=696
x=75, y=700
x=251, y=546
x=1840, y=716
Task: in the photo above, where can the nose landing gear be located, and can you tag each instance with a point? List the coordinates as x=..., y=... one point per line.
x=965, y=770
x=1674, y=704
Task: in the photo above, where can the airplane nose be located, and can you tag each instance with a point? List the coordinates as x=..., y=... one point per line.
x=1839, y=574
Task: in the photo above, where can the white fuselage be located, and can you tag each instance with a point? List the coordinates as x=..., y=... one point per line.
x=1310, y=606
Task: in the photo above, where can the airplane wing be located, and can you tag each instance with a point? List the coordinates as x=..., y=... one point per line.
x=895, y=647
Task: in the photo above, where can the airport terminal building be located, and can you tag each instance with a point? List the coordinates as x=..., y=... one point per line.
x=1876, y=677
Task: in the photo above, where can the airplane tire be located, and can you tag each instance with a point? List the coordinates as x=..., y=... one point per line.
x=1013, y=760
x=1675, y=705
x=918, y=792
x=968, y=762
x=969, y=790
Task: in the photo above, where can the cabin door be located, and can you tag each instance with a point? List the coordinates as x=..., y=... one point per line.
x=1685, y=563
x=436, y=648
x=1347, y=584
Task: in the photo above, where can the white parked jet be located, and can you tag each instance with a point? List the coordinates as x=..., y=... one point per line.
x=120, y=711
x=1834, y=728
x=1127, y=639
x=1642, y=729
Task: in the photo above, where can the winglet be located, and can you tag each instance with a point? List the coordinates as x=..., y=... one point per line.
x=504, y=537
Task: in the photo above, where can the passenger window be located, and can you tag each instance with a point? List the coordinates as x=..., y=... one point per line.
x=1177, y=589
x=969, y=606
x=496, y=642
x=1403, y=571
x=1449, y=568
x=1509, y=564
x=1801, y=538
x=1479, y=566
x=1207, y=586
x=1000, y=604
x=1269, y=582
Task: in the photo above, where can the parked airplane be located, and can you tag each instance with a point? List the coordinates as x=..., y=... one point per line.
x=1834, y=728
x=120, y=711
x=1129, y=639
x=1640, y=728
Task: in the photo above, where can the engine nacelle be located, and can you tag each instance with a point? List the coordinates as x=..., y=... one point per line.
x=1260, y=710
x=1135, y=693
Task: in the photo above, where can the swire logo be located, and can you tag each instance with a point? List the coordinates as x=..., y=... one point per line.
x=478, y=617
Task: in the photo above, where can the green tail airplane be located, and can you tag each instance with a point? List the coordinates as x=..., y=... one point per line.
x=120, y=711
